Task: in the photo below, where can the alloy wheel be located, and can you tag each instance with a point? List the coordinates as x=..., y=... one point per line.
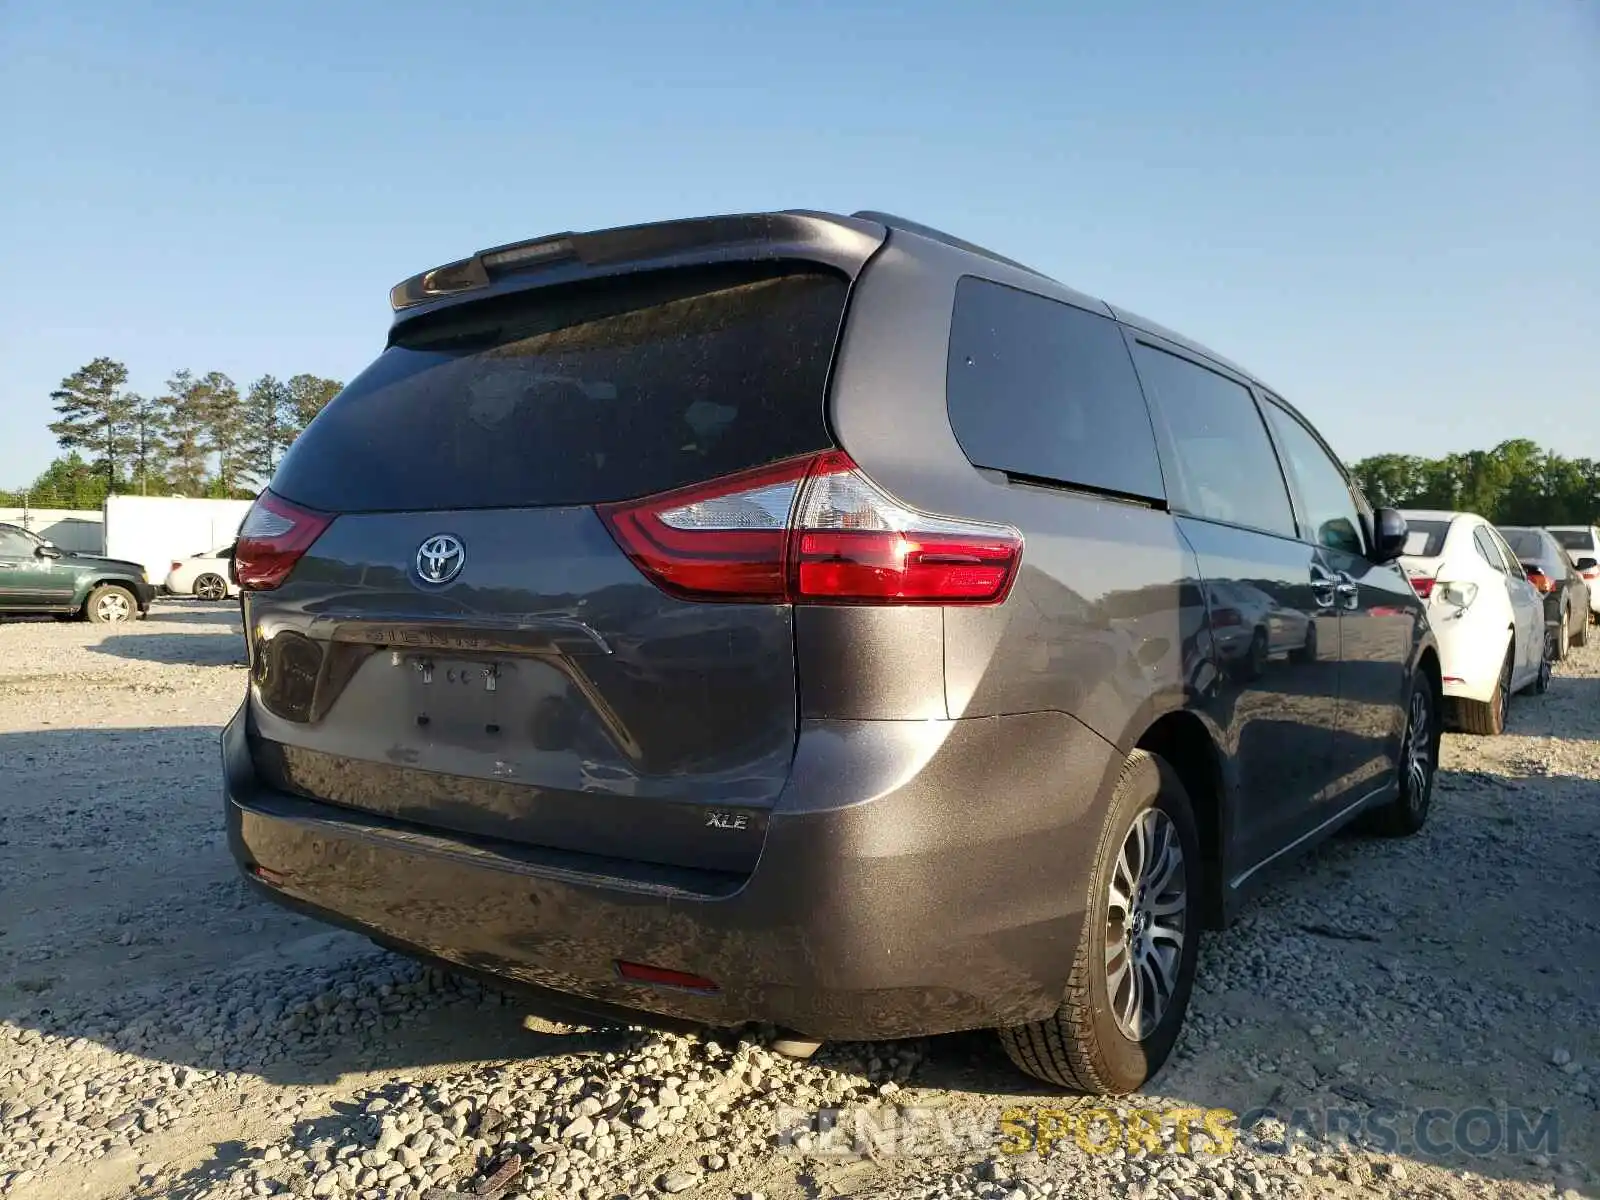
x=210, y=587
x=113, y=607
x=1419, y=751
x=1146, y=921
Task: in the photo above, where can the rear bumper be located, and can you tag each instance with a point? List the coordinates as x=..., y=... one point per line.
x=1470, y=656
x=918, y=877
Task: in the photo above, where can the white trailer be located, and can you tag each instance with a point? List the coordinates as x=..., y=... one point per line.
x=156, y=531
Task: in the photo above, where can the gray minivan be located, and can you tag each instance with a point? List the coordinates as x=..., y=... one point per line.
x=814, y=620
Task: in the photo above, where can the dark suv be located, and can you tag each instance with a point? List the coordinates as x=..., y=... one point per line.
x=814, y=620
x=35, y=577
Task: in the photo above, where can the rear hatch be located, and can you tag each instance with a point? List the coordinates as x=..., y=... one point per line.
x=465, y=646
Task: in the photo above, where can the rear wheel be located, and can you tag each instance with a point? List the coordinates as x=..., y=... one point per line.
x=1563, y=636
x=1581, y=637
x=1489, y=717
x=1134, y=964
x=1419, y=763
x=110, y=604
x=211, y=587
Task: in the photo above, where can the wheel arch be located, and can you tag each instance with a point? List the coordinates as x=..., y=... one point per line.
x=1184, y=741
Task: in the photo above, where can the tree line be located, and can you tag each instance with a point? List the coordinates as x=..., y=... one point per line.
x=1516, y=483
x=201, y=437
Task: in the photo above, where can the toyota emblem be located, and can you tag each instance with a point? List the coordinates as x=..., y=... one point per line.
x=440, y=558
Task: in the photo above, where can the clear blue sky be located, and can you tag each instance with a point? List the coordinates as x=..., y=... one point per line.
x=1387, y=209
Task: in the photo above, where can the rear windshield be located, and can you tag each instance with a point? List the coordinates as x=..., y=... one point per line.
x=1425, y=539
x=1524, y=543
x=1573, y=539
x=588, y=393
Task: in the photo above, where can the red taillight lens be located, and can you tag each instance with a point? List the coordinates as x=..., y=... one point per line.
x=1422, y=585
x=272, y=539
x=175, y=566
x=1541, y=582
x=812, y=530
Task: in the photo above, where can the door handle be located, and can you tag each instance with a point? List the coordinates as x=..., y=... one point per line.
x=1347, y=591
x=1324, y=588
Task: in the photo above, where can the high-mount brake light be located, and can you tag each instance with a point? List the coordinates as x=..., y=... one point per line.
x=812, y=530
x=274, y=536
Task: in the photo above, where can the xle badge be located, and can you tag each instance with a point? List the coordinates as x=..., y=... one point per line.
x=727, y=820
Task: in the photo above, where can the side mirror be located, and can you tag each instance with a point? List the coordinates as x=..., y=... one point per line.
x=47, y=550
x=1389, y=531
x=1587, y=564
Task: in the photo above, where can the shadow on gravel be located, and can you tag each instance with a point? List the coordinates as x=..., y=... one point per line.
x=1466, y=957
x=177, y=649
x=193, y=612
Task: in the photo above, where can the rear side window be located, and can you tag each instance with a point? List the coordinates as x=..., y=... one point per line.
x=1227, y=468
x=1425, y=539
x=582, y=394
x=1574, y=539
x=1041, y=389
x=1487, y=550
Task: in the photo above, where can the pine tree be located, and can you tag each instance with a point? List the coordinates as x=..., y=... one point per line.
x=185, y=421
x=309, y=395
x=267, y=427
x=96, y=415
x=148, y=418
x=224, y=431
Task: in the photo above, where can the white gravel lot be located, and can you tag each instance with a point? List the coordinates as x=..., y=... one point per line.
x=162, y=1032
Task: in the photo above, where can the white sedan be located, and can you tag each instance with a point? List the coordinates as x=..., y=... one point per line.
x=204, y=575
x=1488, y=618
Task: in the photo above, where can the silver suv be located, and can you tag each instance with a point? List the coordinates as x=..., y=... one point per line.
x=814, y=620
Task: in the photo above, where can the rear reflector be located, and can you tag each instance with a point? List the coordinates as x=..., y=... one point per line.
x=268, y=876
x=272, y=539
x=664, y=977
x=812, y=530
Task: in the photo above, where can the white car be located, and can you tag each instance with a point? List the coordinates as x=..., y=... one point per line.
x=1488, y=618
x=204, y=575
x=1582, y=542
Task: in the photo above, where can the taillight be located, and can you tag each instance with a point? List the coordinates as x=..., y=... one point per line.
x=1422, y=585
x=1227, y=616
x=272, y=539
x=1542, y=582
x=175, y=566
x=811, y=530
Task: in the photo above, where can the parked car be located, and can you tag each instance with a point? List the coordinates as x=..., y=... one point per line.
x=1488, y=617
x=790, y=618
x=207, y=575
x=36, y=577
x=1566, y=594
x=1582, y=544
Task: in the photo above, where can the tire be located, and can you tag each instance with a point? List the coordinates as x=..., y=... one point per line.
x=1308, y=651
x=211, y=587
x=1418, y=767
x=111, y=604
x=1489, y=718
x=1564, y=637
x=1581, y=638
x=1256, y=664
x=1083, y=1045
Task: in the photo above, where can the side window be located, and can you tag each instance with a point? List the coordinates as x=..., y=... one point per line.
x=1332, y=518
x=1226, y=467
x=1487, y=550
x=14, y=545
x=1039, y=388
x=1513, y=566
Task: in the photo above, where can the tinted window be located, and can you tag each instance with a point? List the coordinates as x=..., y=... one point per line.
x=1573, y=539
x=581, y=394
x=1513, y=566
x=1425, y=539
x=1331, y=516
x=1526, y=544
x=1040, y=388
x=1225, y=463
x=1487, y=550
x=15, y=544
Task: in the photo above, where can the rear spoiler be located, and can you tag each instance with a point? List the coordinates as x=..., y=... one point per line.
x=845, y=243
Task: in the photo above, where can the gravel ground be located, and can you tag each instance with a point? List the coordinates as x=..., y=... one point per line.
x=162, y=1032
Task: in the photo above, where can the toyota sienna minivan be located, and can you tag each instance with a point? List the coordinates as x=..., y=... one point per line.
x=817, y=621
